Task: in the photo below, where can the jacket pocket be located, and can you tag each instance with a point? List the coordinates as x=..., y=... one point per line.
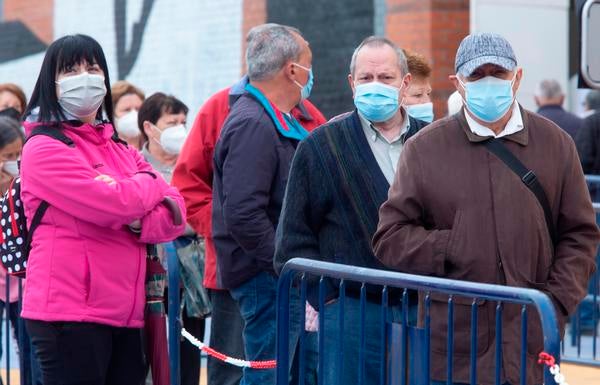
x=462, y=325
x=455, y=235
x=535, y=338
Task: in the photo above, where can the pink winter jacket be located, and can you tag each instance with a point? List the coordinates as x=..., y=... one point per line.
x=85, y=264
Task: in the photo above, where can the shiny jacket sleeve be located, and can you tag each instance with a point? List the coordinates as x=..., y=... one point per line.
x=248, y=171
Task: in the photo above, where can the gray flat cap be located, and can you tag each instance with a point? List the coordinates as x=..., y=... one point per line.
x=484, y=48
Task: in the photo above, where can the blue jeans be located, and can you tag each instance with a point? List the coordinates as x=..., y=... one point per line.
x=256, y=299
x=311, y=360
x=348, y=374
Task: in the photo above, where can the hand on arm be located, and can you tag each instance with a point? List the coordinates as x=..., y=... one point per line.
x=66, y=181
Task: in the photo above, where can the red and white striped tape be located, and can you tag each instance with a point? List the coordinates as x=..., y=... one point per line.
x=271, y=364
x=550, y=361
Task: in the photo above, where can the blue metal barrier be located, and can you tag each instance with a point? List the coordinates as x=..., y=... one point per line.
x=399, y=369
x=581, y=342
x=593, y=182
x=174, y=320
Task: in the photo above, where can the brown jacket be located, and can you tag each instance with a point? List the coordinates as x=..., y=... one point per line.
x=456, y=211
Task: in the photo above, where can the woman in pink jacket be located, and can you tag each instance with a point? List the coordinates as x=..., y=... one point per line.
x=84, y=298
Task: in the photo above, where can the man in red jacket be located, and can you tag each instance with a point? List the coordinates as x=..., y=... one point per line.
x=193, y=176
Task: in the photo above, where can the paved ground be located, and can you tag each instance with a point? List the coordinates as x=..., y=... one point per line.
x=575, y=374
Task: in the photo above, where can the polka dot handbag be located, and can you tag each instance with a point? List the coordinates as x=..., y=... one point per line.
x=15, y=236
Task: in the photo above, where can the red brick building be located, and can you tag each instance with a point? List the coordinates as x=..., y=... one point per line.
x=433, y=28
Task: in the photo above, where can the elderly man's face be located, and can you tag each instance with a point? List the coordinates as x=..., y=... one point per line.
x=489, y=70
x=378, y=64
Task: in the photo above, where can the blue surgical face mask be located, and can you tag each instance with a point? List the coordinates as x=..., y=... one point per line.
x=307, y=88
x=423, y=111
x=376, y=101
x=489, y=98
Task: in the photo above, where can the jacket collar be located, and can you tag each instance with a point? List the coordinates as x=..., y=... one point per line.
x=550, y=107
x=94, y=133
x=239, y=88
x=521, y=137
x=302, y=113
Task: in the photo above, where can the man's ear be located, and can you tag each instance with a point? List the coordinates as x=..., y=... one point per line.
x=289, y=70
x=518, y=77
x=351, y=82
x=406, y=81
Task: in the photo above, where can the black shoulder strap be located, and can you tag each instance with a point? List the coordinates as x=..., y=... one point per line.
x=527, y=176
x=115, y=138
x=53, y=132
x=37, y=218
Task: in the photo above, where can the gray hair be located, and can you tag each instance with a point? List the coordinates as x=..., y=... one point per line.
x=269, y=47
x=378, y=41
x=549, y=89
x=592, y=99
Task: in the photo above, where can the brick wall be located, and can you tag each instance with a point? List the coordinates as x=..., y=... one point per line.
x=35, y=14
x=333, y=29
x=201, y=43
x=188, y=48
x=254, y=13
x=433, y=28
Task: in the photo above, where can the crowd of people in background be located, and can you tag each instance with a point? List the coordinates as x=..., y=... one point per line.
x=262, y=176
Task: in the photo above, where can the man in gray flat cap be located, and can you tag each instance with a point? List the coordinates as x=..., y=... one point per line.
x=456, y=209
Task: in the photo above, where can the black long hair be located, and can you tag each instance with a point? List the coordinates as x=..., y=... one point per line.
x=63, y=53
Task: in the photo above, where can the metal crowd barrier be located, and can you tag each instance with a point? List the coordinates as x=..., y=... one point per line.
x=582, y=339
x=174, y=319
x=393, y=366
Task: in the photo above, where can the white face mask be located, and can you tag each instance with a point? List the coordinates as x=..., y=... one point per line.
x=172, y=138
x=127, y=125
x=81, y=95
x=11, y=167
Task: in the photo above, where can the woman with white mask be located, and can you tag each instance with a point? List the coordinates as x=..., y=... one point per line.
x=162, y=121
x=127, y=100
x=84, y=300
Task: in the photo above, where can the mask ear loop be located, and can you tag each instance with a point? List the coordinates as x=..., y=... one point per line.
x=296, y=82
x=514, y=95
x=401, y=92
x=464, y=87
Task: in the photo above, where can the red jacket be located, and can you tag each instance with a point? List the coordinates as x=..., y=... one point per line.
x=193, y=173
